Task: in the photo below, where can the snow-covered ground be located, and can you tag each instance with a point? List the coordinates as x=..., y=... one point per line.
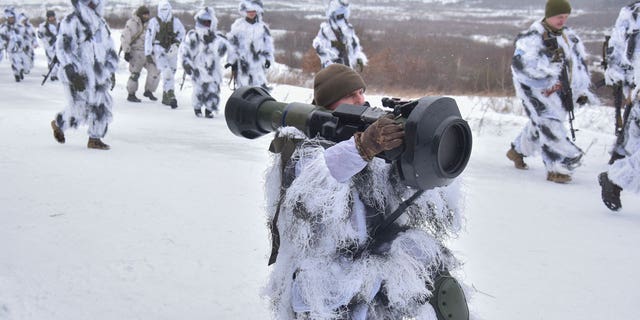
x=169, y=224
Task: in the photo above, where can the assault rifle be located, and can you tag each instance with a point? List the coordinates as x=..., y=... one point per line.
x=566, y=93
x=53, y=63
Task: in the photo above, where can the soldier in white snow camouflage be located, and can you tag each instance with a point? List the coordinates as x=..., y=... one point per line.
x=30, y=42
x=337, y=41
x=201, y=52
x=47, y=33
x=623, y=69
x=326, y=202
x=161, y=43
x=12, y=40
x=88, y=62
x=544, y=53
x=251, y=51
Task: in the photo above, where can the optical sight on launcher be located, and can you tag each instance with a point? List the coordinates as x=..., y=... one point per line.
x=437, y=143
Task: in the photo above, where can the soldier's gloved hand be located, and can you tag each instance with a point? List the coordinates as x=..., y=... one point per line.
x=267, y=64
x=77, y=82
x=113, y=81
x=582, y=100
x=382, y=135
x=187, y=69
x=150, y=59
x=208, y=38
x=127, y=56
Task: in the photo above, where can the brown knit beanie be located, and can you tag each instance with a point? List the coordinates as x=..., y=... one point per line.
x=334, y=83
x=142, y=10
x=556, y=7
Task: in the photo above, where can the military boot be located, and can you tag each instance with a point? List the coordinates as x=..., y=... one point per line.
x=166, y=99
x=610, y=192
x=58, y=134
x=198, y=112
x=150, y=95
x=96, y=143
x=208, y=113
x=17, y=78
x=172, y=99
x=558, y=177
x=517, y=158
x=132, y=97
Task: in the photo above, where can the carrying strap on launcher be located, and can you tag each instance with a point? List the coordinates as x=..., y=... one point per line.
x=285, y=146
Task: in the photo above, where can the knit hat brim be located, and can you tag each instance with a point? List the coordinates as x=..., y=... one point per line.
x=334, y=83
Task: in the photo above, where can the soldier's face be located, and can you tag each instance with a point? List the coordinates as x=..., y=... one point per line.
x=251, y=14
x=11, y=20
x=51, y=19
x=558, y=21
x=356, y=98
x=145, y=17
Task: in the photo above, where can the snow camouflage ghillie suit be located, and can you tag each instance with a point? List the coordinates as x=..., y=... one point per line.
x=201, y=53
x=328, y=201
x=30, y=40
x=536, y=68
x=88, y=62
x=12, y=40
x=132, y=41
x=623, y=68
x=337, y=41
x=162, y=40
x=47, y=33
x=251, y=50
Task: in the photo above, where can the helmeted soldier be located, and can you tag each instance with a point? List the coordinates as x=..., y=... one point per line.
x=161, y=43
x=201, y=52
x=550, y=75
x=88, y=63
x=47, y=33
x=252, y=46
x=132, y=41
x=12, y=40
x=623, y=72
x=337, y=41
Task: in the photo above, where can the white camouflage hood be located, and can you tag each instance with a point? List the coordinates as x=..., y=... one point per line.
x=164, y=10
x=206, y=13
x=82, y=7
x=338, y=7
x=250, y=5
x=9, y=12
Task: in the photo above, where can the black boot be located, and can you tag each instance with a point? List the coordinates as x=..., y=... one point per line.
x=132, y=97
x=197, y=112
x=208, y=113
x=17, y=78
x=610, y=192
x=22, y=75
x=150, y=95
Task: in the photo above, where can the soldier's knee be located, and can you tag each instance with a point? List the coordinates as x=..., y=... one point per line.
x=134, y=76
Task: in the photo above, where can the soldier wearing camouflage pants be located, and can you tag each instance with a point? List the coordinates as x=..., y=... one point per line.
x=132, y=41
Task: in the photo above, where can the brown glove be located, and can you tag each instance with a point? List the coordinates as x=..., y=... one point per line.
x=382, y=135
